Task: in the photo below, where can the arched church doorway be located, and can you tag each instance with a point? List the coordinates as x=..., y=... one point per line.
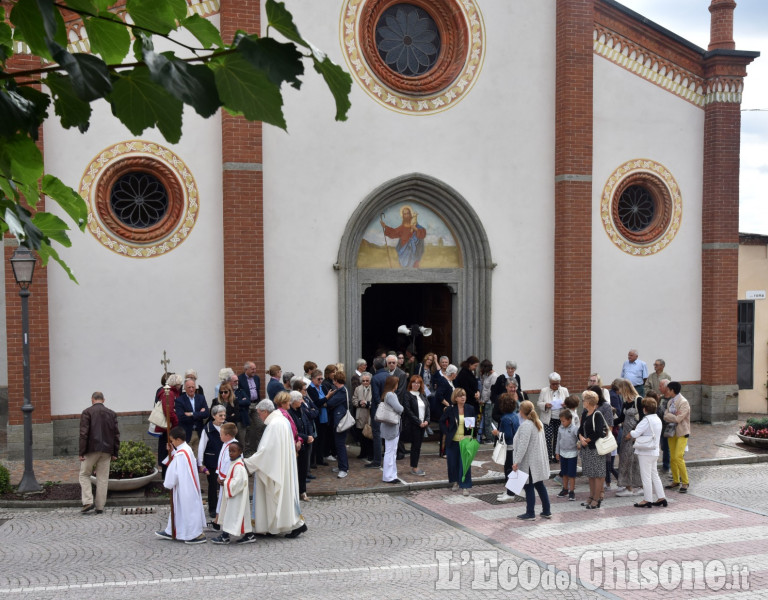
x=418, y=234
x=386, y=306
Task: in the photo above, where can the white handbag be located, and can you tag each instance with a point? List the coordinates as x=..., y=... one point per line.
x=347, y=421
x=646, y=442
x=604, y=445
x=386, y=414
x=157, y=416
x=500, y=451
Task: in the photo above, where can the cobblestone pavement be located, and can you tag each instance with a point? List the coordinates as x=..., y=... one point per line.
x=362, y=546
x=429, y=544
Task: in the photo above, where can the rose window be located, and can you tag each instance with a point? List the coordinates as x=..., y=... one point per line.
x=408, y=40
x=636, y=208
x=139, y=200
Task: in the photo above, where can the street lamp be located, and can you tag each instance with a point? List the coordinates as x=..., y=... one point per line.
x=23, y=263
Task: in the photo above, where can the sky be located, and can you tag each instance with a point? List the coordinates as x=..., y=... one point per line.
x=690, y=19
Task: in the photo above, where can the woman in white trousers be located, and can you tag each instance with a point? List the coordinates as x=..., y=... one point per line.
x=390, y=432
x=647, y=435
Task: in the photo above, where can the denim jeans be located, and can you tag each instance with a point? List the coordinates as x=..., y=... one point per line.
x=665, y=458
x=486, y=425
x=530, y=497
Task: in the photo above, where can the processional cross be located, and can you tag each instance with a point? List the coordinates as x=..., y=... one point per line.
x=165, y=362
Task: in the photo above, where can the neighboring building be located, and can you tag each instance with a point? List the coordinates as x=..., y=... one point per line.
x=753, y=323
x=557, y=180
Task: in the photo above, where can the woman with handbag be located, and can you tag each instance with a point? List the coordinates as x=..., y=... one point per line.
x=174, y=382
x=592, y=427
x=338, y=405
x=647, y=435
x=457, y=423
x=361, y=400
x=415, y=419
x=629, y=467
x=508, y=426
x=677, y=430
x=390, y=427
x=532, y=457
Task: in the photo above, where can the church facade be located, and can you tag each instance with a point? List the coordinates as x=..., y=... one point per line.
x=549, y=182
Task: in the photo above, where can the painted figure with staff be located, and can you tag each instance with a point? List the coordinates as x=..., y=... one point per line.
x=410, y=238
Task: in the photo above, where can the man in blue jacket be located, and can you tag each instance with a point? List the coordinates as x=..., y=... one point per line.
x=192, y=411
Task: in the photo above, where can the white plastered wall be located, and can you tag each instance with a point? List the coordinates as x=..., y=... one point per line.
x=496, y=148
x=651, y=303
x=108, y=333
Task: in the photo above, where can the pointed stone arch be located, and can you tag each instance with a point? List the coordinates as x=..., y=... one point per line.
x=470, y=284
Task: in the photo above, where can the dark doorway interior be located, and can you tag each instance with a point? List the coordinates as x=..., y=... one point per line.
x=386, y=306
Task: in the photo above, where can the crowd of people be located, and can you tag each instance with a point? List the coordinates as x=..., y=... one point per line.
x=307, y=419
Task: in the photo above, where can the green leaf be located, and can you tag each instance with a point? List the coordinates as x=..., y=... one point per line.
x=205, y=31
x=82, y=5
x=53, y=22
x=90, y=77
x=52, y=227
x=28, y=23
x=22, y=110
x=14, y=223
x=281, y=20
x=192, y=84
x=339, y=82
x=6, y=37
x=281, y=62
x=20, y=224
x=156, y=16
x=45, y=251
x=247, y=90
x=103, y=5
x=110, y=39
x=179, y=8
x=72, y=111
x=67, y=198
x=7, y=187
x=26, y=162
x=140, y=103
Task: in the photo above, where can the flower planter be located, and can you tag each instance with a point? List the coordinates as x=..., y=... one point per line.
x=126, y=485
x=753, y=441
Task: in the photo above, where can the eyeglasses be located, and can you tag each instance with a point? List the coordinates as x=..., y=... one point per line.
x=225, y=393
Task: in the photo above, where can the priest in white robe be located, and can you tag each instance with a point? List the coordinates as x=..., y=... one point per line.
x=181, y=477
x=235, y=515
x=276, y=483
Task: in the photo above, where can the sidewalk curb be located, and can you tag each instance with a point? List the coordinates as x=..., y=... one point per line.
x=388, y=489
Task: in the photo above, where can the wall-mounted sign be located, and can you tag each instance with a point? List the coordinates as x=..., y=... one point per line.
x=755, y=294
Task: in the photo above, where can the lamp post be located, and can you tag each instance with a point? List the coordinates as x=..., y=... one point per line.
x=23, y=263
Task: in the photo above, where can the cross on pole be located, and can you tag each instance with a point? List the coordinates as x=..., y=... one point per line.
x=165, y=362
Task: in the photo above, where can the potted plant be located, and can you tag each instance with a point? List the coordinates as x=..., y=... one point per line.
x=755, y=432
x=133, y=469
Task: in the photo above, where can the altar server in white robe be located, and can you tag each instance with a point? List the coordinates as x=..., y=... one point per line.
x=227, y=435
x=181, y=477
x=235, y=515
x=275, y=482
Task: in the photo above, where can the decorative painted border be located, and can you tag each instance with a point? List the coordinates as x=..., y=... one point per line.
x=665, y=178
x=77, y=36
x=648, y=65
x=100, y=165
x=398, y=101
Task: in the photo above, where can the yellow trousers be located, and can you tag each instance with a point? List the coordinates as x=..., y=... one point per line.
x=677, y=446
